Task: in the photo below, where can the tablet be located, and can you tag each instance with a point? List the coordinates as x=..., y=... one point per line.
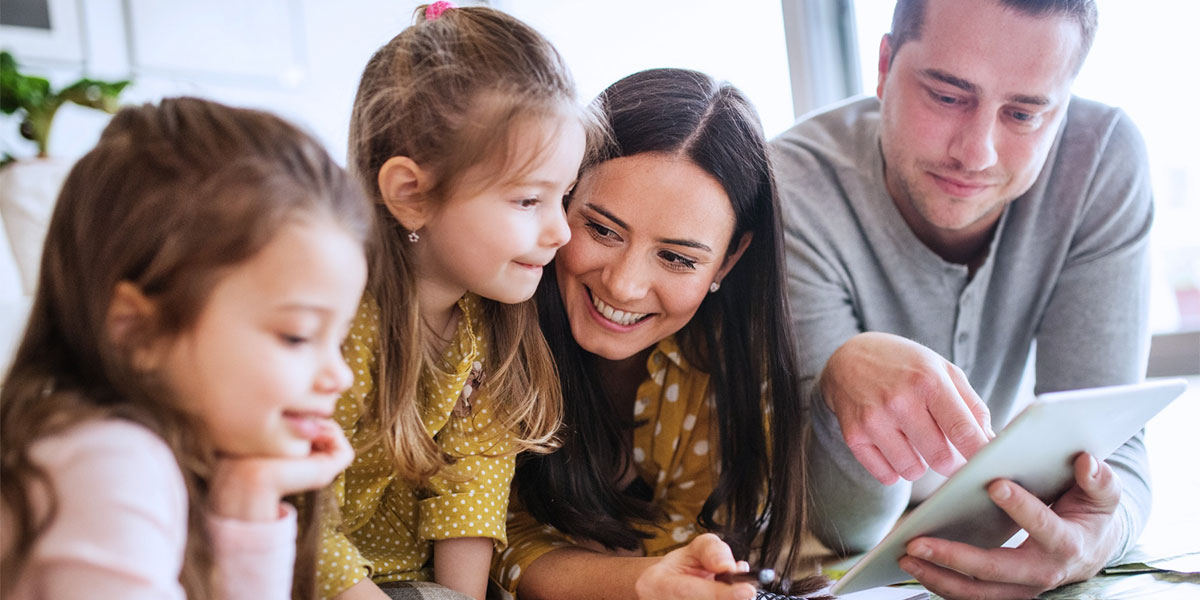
x=1036, y=451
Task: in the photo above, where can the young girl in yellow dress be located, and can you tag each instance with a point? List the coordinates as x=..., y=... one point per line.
x=467, y=134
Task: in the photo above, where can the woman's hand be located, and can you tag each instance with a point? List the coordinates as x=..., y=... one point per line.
x=687, y=573
x=250, y=488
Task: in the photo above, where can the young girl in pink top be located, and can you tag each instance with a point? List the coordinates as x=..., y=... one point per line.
x=182, y=361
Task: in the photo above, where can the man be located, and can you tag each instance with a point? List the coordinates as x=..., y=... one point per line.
x=937, y=233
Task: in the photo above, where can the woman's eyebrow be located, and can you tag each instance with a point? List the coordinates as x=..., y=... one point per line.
x=609, y=215
x=625, y=226
x=687, y=243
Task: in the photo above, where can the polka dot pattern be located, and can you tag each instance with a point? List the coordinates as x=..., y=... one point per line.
x=670, y=452
x=388, y=524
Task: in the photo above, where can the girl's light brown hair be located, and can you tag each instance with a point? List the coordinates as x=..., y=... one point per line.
x=449, y=94
x=170, y=199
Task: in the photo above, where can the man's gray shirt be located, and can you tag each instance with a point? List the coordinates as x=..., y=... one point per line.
x=1067, y=268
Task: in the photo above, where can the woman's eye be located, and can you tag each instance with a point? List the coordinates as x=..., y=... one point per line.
x=678, y=262
x=527, y=202
x=600, y=231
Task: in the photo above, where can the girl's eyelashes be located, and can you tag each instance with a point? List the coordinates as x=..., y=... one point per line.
x=529, y=202
x=677, y=261
x=292, y=340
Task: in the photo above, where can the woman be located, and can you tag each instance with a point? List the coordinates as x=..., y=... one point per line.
x=668, y=317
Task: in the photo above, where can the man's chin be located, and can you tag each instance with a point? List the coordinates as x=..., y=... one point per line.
x=956, y=214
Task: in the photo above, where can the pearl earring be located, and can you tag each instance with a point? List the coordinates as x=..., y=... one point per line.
x=413, y=237
x=714, y=287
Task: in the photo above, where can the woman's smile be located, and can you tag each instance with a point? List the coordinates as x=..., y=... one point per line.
x=610, y=315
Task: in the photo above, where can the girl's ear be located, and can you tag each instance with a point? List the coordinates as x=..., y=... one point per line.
x=732, y=259
x=131, y=316
x=404, y=187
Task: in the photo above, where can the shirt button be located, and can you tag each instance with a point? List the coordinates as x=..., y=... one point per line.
x=963, y=337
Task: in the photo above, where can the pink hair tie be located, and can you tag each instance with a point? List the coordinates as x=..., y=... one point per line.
x=437, y=9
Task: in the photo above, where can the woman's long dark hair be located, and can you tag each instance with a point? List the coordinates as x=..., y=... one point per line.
x=741, y=336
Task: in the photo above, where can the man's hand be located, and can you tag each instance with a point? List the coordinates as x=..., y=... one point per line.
x=903, y=407
x=687, y=573
x=1068, y=543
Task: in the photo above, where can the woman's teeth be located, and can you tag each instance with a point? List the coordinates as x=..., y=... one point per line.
x=619, y=317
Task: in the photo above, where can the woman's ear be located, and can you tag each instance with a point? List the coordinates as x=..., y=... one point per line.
x=732, y=259
x=404, y=187
x=130, y=317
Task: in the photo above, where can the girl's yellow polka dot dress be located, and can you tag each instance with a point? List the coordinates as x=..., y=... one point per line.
x=387, y=524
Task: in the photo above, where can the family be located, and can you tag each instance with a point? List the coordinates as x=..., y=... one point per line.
x=617, y=350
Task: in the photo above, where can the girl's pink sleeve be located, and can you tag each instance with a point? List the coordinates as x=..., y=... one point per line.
x=254, y=560
x=121, y=525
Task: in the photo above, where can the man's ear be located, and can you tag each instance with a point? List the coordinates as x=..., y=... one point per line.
x=130, y=319
x=885, y=62
x=732, y=259
x=404, y=187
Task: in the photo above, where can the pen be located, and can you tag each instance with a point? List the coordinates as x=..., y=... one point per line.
x=759, y=577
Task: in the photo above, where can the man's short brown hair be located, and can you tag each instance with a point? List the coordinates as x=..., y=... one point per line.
x=909, y=16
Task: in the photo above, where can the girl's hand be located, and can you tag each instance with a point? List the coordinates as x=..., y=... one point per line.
x=687, y=573
x=250, y=488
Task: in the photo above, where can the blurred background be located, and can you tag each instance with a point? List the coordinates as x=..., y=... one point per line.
x=302, y=58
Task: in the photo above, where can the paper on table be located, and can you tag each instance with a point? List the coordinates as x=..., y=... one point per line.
x=887, y=593
x=1183, y=563
x=879, y=593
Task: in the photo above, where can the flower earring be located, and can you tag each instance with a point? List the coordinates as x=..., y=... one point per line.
x=712, y=289
x=413, y=237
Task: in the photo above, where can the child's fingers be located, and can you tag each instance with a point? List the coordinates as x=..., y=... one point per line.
x=331, y=443
x=331, y=454
x=334, y=450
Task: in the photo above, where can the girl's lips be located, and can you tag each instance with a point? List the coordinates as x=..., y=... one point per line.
x=307, y=425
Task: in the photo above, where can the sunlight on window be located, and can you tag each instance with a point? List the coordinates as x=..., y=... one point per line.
x=1138, y=62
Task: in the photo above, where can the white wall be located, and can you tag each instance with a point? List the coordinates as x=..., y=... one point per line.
x=321, y=50
x=741, y=42
x=302, y=58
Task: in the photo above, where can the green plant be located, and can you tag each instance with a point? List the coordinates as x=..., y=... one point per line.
x=36, y=104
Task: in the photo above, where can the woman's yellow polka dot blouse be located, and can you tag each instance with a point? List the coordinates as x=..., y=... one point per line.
x=387, y=524
x=671, y=451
